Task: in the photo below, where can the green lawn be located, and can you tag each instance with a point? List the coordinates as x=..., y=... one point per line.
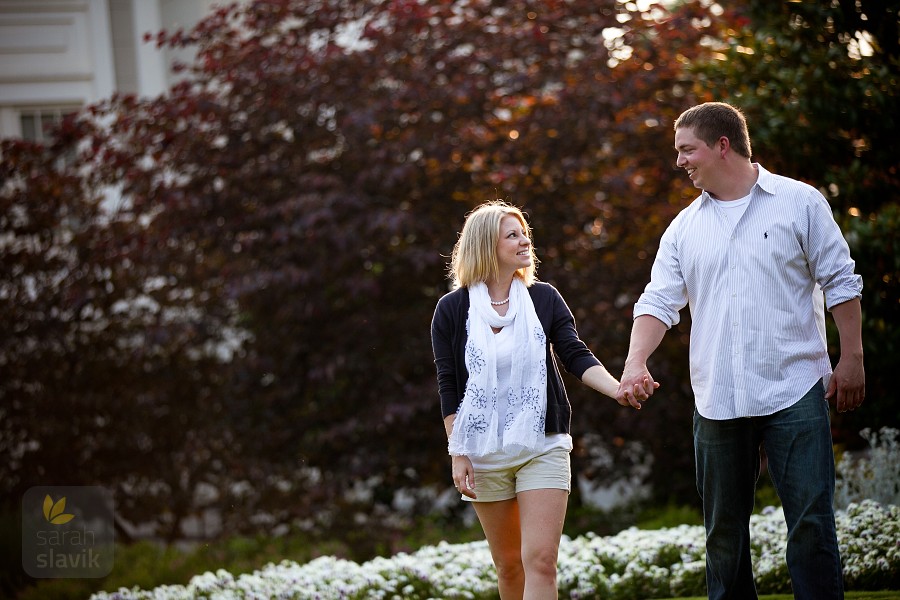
x=848, y=596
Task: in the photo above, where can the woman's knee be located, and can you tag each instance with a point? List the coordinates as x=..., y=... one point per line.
x=541, y=562
x=509, y=566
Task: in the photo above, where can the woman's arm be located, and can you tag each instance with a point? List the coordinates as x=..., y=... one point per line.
x=462, y=470
x=598, y=378
x=443, y=328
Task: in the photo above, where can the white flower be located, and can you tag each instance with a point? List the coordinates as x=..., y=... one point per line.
x=632, y=564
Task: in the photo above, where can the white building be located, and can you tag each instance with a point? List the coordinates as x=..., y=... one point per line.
x=57, y=56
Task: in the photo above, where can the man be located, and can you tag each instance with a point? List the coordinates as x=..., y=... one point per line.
x=746, y=257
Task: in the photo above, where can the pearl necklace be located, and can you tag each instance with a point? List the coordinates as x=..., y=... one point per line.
x=501, y=302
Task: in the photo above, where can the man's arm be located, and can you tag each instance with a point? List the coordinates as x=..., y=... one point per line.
x=849, y=380
x=646, y=334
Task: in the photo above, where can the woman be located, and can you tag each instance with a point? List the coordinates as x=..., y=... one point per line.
x=505, y=409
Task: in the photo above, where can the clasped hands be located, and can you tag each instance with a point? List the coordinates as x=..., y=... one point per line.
x=636, y=386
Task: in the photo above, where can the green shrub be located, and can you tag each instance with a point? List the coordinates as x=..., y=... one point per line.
x=670, y=515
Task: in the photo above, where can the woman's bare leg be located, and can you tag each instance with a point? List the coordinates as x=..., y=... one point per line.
x=542, y=514
x=500, y=522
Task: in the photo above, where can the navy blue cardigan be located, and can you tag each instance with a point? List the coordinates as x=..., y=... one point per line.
x=448, y=340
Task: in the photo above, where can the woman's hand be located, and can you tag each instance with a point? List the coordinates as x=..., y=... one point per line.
x=464, y=475
x=636, y=387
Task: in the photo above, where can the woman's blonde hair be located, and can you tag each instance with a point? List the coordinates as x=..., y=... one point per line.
x=474, y=257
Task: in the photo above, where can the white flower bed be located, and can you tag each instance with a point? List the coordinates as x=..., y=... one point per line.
x=875, y=475
x=631, y=565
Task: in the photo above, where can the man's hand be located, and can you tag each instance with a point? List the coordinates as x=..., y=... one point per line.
x=848, y=383
x=636, y=385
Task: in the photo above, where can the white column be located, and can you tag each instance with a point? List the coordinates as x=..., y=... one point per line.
x=101, y=48
x=9, y=123
x=151, y=61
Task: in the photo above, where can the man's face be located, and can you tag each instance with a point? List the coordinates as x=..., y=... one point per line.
x=695, y=157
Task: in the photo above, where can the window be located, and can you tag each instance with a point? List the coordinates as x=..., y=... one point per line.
x=37, y=123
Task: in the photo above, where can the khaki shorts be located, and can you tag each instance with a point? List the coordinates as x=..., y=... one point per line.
x=550, y=470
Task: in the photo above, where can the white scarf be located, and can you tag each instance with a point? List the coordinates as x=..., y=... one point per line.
x=477, y=430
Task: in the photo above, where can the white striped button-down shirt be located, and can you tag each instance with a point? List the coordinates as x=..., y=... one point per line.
x=755, y=344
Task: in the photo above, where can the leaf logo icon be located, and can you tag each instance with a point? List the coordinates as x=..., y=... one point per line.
x=53, y=511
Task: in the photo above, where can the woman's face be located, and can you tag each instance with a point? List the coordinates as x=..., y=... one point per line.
x=513, y=247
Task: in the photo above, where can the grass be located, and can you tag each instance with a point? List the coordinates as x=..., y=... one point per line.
x=848, y=596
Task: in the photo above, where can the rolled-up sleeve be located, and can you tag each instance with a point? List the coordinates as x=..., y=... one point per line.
x=666, y=294
x=829, y=257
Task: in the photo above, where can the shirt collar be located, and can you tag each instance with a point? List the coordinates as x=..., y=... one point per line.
x=765, y=181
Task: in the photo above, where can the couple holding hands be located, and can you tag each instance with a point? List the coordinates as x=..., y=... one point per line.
x=756, y=257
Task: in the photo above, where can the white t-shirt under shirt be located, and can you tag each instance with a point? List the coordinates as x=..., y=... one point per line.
x=503, y=460
x=733, y=209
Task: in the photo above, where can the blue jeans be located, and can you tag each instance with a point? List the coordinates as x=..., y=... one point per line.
x=797, y=441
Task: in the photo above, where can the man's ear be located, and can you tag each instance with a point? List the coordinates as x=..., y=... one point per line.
x=723, y=145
